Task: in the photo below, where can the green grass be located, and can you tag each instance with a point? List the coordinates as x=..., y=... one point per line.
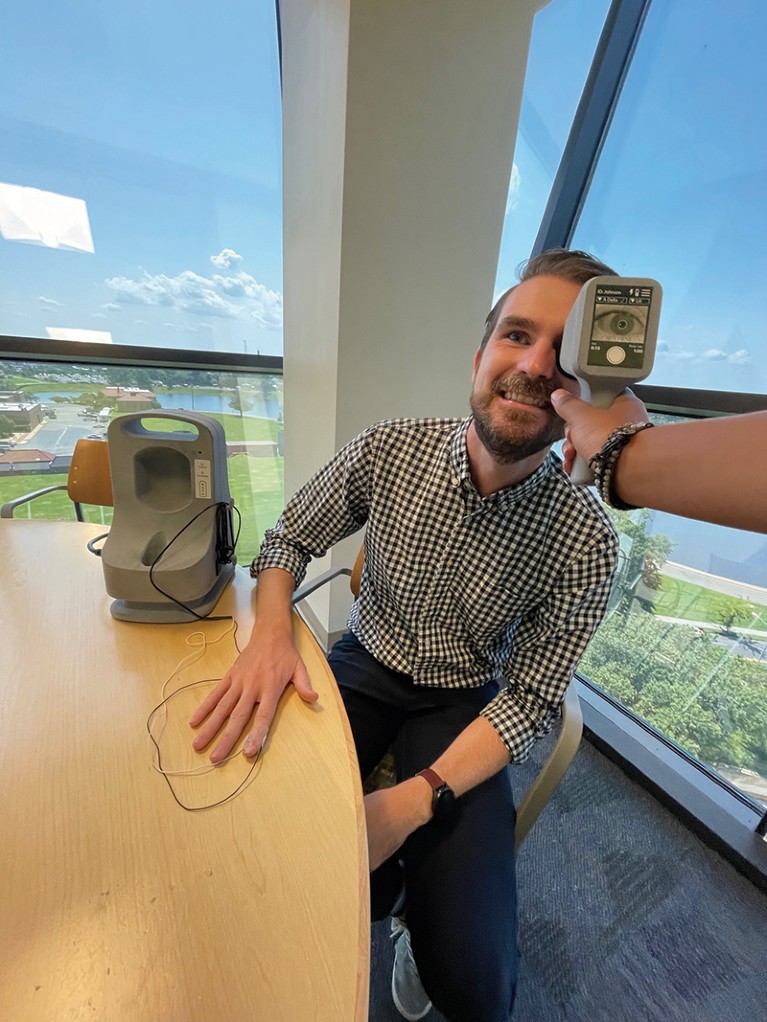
x=236, y=427
x=691, y=602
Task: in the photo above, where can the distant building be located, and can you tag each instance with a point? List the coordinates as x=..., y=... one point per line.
x=22, y=413
x=131, y=399
x=253, y=448
x=25, y=462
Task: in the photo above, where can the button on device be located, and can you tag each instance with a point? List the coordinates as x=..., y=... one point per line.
x=615, y=355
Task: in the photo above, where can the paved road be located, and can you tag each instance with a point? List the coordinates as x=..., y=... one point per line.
x=728, y=586
x=59, y=435
x=744, y=645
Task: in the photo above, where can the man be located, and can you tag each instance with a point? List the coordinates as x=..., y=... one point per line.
x=486, y=573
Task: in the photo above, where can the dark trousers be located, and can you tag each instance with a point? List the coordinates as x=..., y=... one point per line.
x=459, y=877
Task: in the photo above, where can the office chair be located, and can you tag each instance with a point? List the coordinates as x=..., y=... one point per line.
x=550, y=774
x=89, y=481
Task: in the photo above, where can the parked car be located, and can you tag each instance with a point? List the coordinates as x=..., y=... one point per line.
x=95, y=436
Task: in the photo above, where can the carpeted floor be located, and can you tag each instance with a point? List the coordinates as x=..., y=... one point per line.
x=625, y=916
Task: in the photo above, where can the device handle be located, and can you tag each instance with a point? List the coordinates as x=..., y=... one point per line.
x=600, y=397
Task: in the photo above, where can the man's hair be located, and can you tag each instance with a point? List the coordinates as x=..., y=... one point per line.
x=576, y=266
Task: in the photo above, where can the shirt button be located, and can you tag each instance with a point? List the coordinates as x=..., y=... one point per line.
x=454, y=480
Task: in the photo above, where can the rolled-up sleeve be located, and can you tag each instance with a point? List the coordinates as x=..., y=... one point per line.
x=332, y=505
x=547, y=646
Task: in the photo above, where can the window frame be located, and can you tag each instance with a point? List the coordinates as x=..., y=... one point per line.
x=720, y=814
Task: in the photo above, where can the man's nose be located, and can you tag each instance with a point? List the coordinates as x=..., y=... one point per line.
x=539, y=360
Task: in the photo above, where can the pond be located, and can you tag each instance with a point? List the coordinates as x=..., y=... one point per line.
x=263, y=408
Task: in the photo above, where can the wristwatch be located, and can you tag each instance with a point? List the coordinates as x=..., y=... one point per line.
x=443, y=801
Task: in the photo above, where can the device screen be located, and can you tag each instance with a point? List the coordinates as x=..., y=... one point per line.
x=619, y=326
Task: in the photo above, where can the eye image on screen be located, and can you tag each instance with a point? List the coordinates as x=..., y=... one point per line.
x=620, y=323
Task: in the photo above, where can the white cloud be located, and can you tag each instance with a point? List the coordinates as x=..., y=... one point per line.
x=225, y=258
x=238, y=296
x=111, y=307
x=515, y=183
x=50, y=302
x=740, y=358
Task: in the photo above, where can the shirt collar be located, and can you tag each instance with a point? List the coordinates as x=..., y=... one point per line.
x=460, y=474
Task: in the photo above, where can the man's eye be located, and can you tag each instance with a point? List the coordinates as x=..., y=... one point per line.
x=517, y=336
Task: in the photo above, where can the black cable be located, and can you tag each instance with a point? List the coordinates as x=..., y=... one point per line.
x=150, y=721
x=90, y=545
x=220, y=507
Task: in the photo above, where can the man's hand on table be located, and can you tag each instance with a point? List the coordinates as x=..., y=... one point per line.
x=258, y=677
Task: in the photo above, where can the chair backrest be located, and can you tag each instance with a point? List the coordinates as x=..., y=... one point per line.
x=90, y=478
x=356, y=575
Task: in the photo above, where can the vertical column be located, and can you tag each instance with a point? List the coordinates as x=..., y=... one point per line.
x=399, y=124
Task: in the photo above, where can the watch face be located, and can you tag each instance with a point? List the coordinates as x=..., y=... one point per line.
x=444, y=803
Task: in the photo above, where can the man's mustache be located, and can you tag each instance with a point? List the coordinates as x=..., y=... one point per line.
x=538, y=392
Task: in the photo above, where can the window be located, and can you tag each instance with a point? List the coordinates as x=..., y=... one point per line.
x=678, y=195
x=680, y=190
x=140, y=190
x=553, y=84
x=45, y=407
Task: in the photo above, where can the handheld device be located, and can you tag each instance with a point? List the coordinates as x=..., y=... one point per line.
x=609, y=342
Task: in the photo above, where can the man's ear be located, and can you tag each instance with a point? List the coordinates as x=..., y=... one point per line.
x=477, y=358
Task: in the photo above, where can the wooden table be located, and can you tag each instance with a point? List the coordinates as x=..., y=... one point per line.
x=117, y=904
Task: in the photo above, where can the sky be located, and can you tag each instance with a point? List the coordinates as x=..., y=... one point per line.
x=164, y=119
x=680, y=192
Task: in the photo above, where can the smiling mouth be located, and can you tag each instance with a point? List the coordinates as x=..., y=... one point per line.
x=519, y=397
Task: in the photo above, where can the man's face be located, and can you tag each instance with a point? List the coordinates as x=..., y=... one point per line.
x=517, y=371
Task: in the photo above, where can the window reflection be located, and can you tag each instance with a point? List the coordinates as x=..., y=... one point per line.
x=684, y=644
x=46, y=407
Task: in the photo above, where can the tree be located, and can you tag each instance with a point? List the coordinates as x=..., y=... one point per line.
x=240, y=402
x=713, y=702
x=7, y=426
x=729, y=609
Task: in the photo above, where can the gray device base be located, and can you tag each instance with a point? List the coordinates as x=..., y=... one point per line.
x=169, y=612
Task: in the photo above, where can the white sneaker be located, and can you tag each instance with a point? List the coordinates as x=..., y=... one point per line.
x=409, y=996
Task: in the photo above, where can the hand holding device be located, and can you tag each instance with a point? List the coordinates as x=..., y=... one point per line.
x=609, y=342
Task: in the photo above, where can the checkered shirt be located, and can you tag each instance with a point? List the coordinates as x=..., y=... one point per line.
x=459, y=589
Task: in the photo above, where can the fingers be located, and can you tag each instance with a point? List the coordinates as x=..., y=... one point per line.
x=210, y=701
x=216, y=717
x=238, y=721
x=566, y=405
x=302, y=683
x=264, y=717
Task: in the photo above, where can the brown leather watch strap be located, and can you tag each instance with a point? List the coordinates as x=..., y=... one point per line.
x=432, y=777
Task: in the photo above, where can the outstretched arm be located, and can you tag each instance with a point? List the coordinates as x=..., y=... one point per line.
x=706, y=469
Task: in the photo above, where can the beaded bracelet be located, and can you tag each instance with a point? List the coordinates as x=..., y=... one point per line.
x=603, y=463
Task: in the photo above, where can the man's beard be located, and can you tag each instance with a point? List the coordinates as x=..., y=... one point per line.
x=516, y=435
